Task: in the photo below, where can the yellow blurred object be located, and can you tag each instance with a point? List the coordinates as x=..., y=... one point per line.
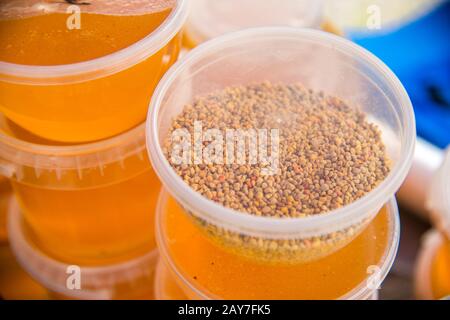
x=5, y=193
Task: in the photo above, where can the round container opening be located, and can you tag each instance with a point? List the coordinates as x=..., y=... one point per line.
x=78, y=73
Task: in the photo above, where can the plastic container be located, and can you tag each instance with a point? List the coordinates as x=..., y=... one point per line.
x=277, y=54
x=370, y=256
x=133, y=279
x=89, y=204
x=98, y=98
x=432, y=278
x=432, y=270
x=414, y=191
x=5, y=193
x=210, y=19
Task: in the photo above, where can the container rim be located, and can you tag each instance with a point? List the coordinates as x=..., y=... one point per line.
x=70, y=150
x=235, y=220
x=104, y=65
x=200, y=31
x=30, y=258
x=439, y=195
x=361, y=292
x=446, y=190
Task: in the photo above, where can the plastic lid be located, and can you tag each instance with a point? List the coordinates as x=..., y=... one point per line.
x=102, y=66
x=96, y=282
x=439, y=196
x=209, y=19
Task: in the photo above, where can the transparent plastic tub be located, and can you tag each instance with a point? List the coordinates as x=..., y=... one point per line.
x=132, y=279
x=432, y=277
x=5, y=194
x=97, y=98
x=210, y=19
x=320, y=61
x=176, y=280
x=91, y=203
x=432, y=270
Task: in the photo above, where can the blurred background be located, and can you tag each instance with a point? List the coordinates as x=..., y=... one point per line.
x=412, y=38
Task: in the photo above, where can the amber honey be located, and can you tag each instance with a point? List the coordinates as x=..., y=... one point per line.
x=131, y=279
x=190, y=43
x=5, y=194
x=88, y=102
x=89, y=204
x=209, y=19
x=219, y=273
x=15, y=283
x=433, y=263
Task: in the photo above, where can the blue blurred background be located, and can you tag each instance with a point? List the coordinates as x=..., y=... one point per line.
x=417, y=49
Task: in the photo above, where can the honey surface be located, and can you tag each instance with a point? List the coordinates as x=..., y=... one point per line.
x=46, y=39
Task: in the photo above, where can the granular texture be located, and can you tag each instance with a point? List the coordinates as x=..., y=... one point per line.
x=330, y=155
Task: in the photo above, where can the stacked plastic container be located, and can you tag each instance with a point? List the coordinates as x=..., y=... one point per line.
x=72, y=145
